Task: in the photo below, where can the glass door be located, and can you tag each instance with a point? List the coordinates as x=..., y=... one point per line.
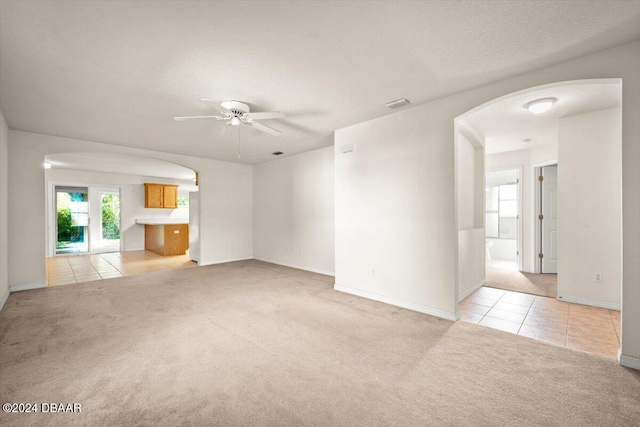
x=109, y=234
x=72, y=220
x=105, y=219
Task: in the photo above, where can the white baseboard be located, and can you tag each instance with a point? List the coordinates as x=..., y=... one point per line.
x=591, y=302
x=628, y=361
x=27, y=287
x=4, y=298
x=472, y=289
x=18, y=288
x=222, y=261
x=299, y=267
x=397, y=302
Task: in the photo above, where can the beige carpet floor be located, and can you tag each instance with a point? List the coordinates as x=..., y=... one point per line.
x=253, y=344
x=545, y=285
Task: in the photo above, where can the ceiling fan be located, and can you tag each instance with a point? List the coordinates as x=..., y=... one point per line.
x=238, y=113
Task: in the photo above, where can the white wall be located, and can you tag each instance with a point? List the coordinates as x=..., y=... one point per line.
x=395, y=222
x=395, y=200
x=4, y=203
x=132, y=201
x=590, y=207
x=226, y=212
x=470, y=194
x=294, y=211
x=470, y=182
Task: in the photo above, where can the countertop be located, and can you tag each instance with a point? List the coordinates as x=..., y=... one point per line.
x=162, y=221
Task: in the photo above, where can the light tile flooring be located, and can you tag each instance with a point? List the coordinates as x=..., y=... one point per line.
x=64, y=270
x=580, y=327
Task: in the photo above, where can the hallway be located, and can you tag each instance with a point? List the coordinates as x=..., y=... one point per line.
x=545, y=285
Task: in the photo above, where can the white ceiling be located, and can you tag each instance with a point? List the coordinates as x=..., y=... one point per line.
x=117, y=72
x=505, y=123
x=120, y=163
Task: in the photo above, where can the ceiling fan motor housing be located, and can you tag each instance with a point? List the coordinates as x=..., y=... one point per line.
x=236, y=107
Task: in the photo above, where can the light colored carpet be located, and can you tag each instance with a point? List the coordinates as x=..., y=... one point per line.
x=545, y=285
x=250, y=343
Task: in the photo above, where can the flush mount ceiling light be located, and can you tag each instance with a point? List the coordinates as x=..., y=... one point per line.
x=47, y=165
x=539, y=106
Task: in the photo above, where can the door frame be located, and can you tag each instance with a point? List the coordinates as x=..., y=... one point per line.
x=537, y=209
x=519, y=170
x=50, y=217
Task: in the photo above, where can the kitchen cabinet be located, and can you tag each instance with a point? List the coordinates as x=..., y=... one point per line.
x=166, y=239
x=160, y=196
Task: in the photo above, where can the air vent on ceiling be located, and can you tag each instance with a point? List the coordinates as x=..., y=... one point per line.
x=277, y=153
x=397, y=103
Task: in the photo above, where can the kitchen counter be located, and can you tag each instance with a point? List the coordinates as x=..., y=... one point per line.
x=162, y=221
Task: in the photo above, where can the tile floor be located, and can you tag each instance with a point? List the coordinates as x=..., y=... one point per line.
x=64, y=270
x=580, y=327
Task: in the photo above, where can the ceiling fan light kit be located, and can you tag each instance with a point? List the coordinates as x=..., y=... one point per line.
x=239, y=113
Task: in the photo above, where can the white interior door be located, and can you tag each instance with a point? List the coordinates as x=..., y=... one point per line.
x=549, y=219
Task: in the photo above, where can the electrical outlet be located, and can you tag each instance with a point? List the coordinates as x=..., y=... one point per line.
x=373, y=272
x=286, y=250
x=597, y=277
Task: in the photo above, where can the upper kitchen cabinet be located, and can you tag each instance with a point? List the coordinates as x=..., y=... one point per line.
x=170, y=196
x=160, y=196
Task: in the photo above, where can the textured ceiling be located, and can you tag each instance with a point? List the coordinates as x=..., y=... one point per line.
x=506, y=123
x=117, y=72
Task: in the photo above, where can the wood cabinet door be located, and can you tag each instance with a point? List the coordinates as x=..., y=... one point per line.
x=153, y=196
x=170, y=196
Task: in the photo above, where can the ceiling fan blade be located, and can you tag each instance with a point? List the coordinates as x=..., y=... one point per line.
x=263, y=128
x=199, y=117
x=222, y=109
x=266, y=115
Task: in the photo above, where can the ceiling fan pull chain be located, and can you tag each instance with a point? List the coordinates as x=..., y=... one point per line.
x=239, y=156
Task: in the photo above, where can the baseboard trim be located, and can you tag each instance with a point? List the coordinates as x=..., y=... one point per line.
x=27, y=287
x=591, y=302
x=222, y=261
x=397, y=302
x=628, y=361
x=4, y=298
x=472, y=289
x=298, y=267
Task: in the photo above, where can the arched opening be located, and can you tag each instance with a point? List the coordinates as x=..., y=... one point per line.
x=99, y=220
x=539, y=214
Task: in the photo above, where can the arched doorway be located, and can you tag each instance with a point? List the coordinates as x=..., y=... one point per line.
x=578, y=141
x=95, y=204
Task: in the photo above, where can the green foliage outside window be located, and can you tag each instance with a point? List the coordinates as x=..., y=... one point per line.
x=110, y=216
